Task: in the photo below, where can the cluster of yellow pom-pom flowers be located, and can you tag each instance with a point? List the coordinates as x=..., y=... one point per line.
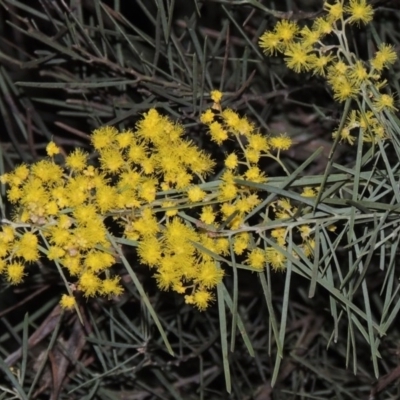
x=143, y=179
x=348, y=76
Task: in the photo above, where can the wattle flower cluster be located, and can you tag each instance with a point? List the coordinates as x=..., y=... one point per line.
x=143, y=180
x=348, y=76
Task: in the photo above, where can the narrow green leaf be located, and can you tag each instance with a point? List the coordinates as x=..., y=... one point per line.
x=224, y=337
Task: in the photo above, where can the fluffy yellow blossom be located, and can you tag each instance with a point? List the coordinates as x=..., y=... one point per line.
x=166, y=278
x=359, y=11
x=217, y=132
x=97, y=261
x=67, y=302
x=90, y=284
x=65, y=221
x=151, y=127
x=111, y=160
x=343, y=88
x=198, y=161
x=309, y=36
x=270, y=43
x=281, y=142
x=15, y=272
x=55, y=252
x=27, y=247
x=148, y=190
x=231, y=118
x=52, y=149
x=257, y=259
x=150, y=251
x=279, y=234
x=176, y=231
x=170, y=208
x=7, y=234
x=111, y=287
x=322, y=25
x=245, y=127
x=216, y=96
x=252, y=156
x=207, y=215
x=222, y=246
x=207, y=116
x=305, y=231
x=335, y=11
x=5, y=178
x=209, y=275
x=258, y=142
x=77, y=160
x=385, y=56
x=345, y=135
x=286, y=30
x=73, y=263
x=149, y=165
x=106, y=197
x=146, y=224
x=21, y=172
x=15, y=194
x=202, y=299
x=246, y=203
x=283, y=208
x=308, y=192
x=227, y=209
x=195, y=194
x=337, y=69
x=320, y=64
x=47, y=171
x=276, y=259
x=103, y=137
x=358, y=72
x=125, y=139
x=384, y=102
x=51, y=208
x=15, y=179
x=137, y=152
x=240, y=243
x=227, y=191
x=178, y=288
x=254, y=174
x=299, y=57
x=231, y=161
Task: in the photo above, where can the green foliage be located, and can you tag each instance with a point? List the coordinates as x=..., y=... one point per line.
x=303, y=225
